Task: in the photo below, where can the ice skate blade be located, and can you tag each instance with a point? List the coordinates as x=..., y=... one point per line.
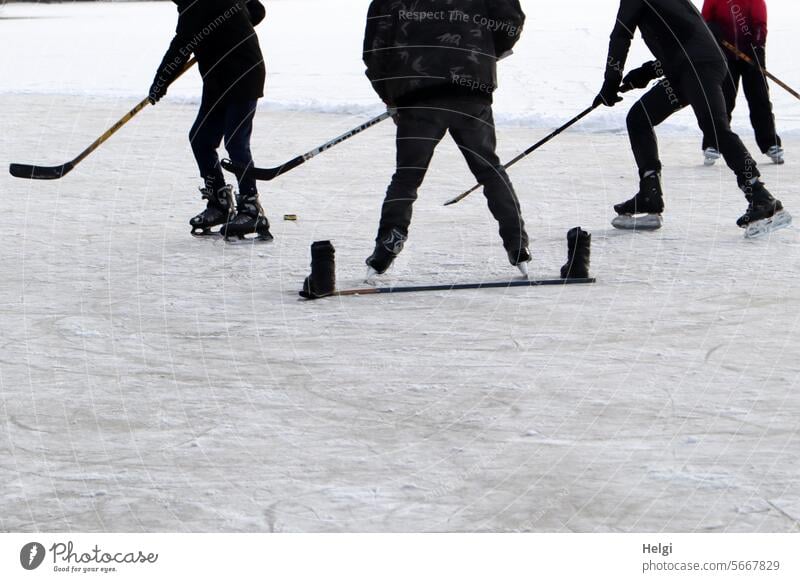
x=240, y=239
x=640, y=222
x=205, y=233
x=761, y=228
x=523, y=268
x=371, y=277
x=709, y=162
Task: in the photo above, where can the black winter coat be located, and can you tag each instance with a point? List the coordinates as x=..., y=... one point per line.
x=221, y=34
x=417, y=49
x=673, y=30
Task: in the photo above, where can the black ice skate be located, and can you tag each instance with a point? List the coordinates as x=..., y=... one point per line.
x=764, y=213
x=249, y=220
x=386, y=250
x=578, y=254
x=520, y=256
x=643, y=211
x=219, y=211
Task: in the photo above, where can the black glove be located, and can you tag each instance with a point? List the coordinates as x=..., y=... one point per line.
x=157, y=91
x=609, y=94
x=639, y=78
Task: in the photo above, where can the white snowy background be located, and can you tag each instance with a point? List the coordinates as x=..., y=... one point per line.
x=150, y=381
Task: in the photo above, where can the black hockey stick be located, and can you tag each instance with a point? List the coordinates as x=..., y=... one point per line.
x=530, y=150
x=750, y=61
x=462, y=286
x=266, y=174
x=32, y=172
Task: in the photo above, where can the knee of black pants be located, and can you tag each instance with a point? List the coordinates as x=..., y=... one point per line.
x=407, y=180
x=638, y=121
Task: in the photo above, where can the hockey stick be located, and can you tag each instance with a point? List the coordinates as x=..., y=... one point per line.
x=750, y=61
x=32, y=172
x=530, y=150
x=462, y=286
x=266, y=174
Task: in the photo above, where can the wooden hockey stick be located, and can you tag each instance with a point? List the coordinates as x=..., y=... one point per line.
x=33, y=172
x=750, y=61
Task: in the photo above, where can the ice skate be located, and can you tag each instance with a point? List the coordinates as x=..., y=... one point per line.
x=249, y=224
x=710, y=156
x=764, y=213
x=520, y=257
x=775, y=153
x=643, y=211
x=219, y=211
x=386, y=250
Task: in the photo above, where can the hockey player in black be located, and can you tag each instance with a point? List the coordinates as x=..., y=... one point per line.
x=438, y=69
x=221, y=34
x=691, y=69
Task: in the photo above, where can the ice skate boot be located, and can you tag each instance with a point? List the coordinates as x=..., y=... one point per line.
x=710, y=156
x=520, y=257
x=643, y=211
x=386, y=250
x=219, y=210
x=764, y=213
x=250, y=223
x=578, y=254
x=775, y=153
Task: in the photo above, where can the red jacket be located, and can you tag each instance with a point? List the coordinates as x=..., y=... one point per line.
x=741, y=22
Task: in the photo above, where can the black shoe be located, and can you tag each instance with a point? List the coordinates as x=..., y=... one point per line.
x=578, y=252
x=322, y=280
x=249, y=220
x=219, y=210
x=761, y=204
x=386, y=250
x=649, y=199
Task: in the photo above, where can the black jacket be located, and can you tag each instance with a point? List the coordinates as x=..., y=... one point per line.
x=221, y=34
x=673, y=30
x=416, y=49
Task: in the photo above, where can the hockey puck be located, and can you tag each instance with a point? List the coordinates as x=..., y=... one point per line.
x=291, y=217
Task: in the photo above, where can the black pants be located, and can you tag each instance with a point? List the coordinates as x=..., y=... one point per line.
x=232, y=121
x=471, y=124
x=756, y=91
x=701, y=88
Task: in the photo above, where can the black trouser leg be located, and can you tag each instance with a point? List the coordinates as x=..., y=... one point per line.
x=756, y=91
x=475, y=136
x=657, y=105
x=702, y=89
x=205, y=138
x=730, y=90
x=239, y=117
x=419, y=131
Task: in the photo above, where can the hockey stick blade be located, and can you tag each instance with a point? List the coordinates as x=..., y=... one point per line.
x=266, y=174
x=262, y=174
x=30, y=172
x=464, y=286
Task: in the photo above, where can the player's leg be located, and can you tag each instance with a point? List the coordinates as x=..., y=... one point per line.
x=419, y=131
x=472, y=128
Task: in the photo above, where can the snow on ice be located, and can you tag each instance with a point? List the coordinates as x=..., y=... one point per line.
x=150, y=381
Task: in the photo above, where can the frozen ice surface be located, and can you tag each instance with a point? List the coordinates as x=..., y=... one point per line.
x=150, y=381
